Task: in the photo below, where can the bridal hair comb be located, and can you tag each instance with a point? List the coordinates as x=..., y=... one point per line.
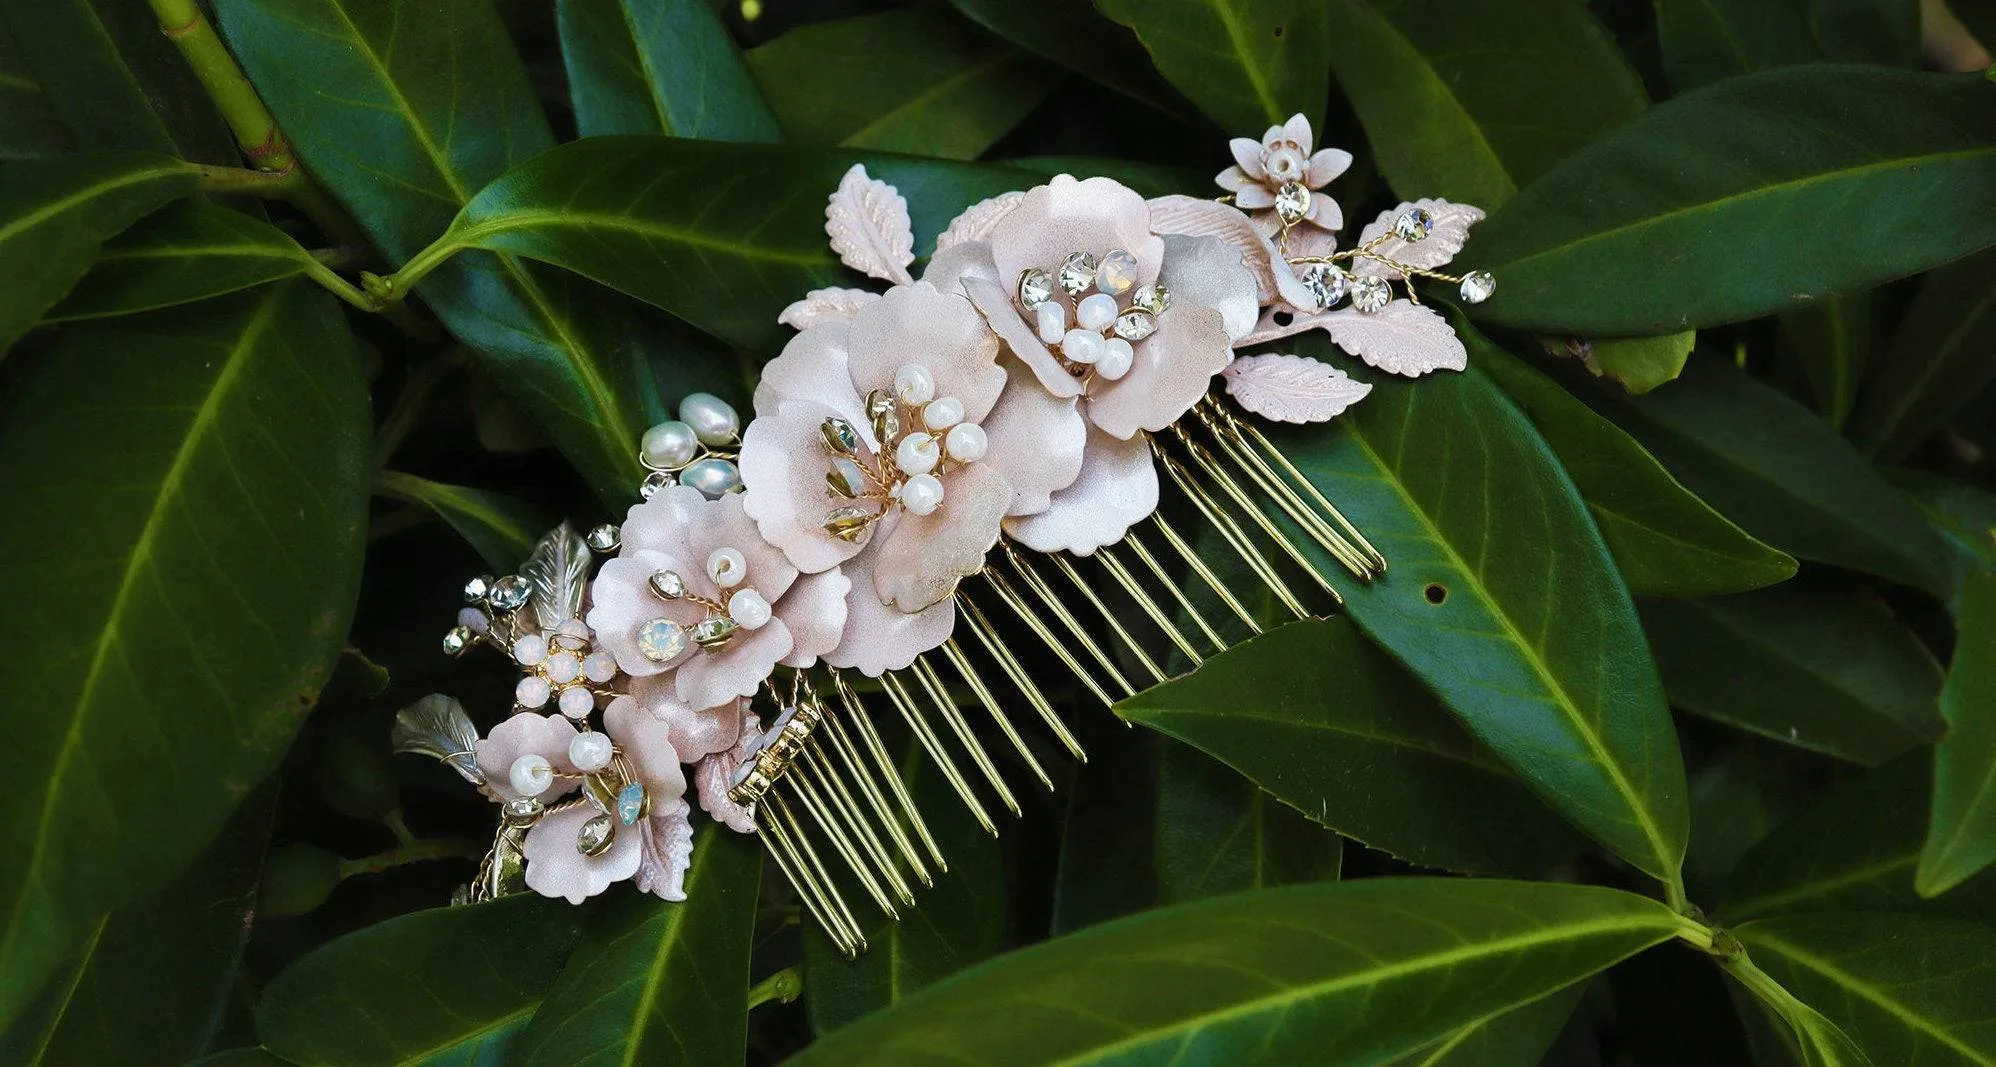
x=1025, y=438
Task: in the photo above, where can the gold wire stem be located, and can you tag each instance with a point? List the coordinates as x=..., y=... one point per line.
x=1286, y=498
x=933, y=745
x=855, y=767
x=995, y=645
x=932, y=684
x=810, y=875
x=1253, y=435
x=1205, y=573
x=1184, y=602
x=1254, y=512
x=968, y=672
x=1150, y=607
x=1059, y=611
x=863, y=725
x=840, y=800
x=802, y=842
x=1054, y=644
x=1231, y=532
x=834, y=830
x=1066, y=566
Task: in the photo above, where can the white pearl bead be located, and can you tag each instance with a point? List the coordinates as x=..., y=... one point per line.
x=1095, y=312
x=922, y=494
x=529, y=650
x=917, y=454
x=590, y=751
x=530, y=775
x=670, y=445
x=599, y=667
x=563, y=668
x=1081, y=346
x=943, y=413
x=713, y=420
x=726, y=567
x=1053, y=321
x=966, y=442
x=1117, y=355
x=714, y=477
x=532, y=692
x=914, y=385
x=749, y=610
x=576, y=702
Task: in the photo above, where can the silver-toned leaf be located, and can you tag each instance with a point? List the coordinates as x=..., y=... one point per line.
x=822, y=306
x=437, y=726
x=558, y=571
x=977, y=220
x=867, y=220
x=1445, y=238
x=1287, y=388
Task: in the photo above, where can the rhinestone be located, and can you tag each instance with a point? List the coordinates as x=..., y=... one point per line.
x=1135, y=324
x=668, y=585
x=1035, y=288
x=1413, y=224
x=845, y=479
x=1153, y=298
x=848, y=523
x=510, y=593
x=604, y=538
x=595, y=835
x=1292, y=202
x=1478, y=286
x=655, y=481
x=661, y=640
x=523, y=810
x=1117, y=273
x=1077, y=272
x=840, y=437
x=1369, y=292
x=885, y=415
x=477, y=589
x=631, y=803
x=456, y=640
x=530, y=649
x=714, y=631
x=714, y=477
x=1326, y=283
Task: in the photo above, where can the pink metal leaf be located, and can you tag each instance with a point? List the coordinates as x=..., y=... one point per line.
x=867, y=220
x=822, y=306
x=1286, y=388
x=1444, y=240
x=1402, y=338
x=977, y=219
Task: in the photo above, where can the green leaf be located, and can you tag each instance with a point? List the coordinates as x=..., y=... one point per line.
x=1503, y=600
x=920, y=81
x=1471, y=102
x=1246, y=63
x=1077, y=37
x=1938, y=362
x=1832, y=341
x=1908, y=989
x=1740, y=792
x=500, y=528
x=614, y=208
x=1812, y=1039
x=1853, y=851
x=1961, y=836
x=447, y=985
x=28, y=126
x=56, y=213
x=1641, y=364
x=659, y=66
x=1665, y=540
x=1821, y=666
x=1706, y=40
x=1781, y=473
x=1382, y=763
x=1784, y=187
x=1331, y=974
x=206, y=469
x=1519, y=1037
x=652, y=982
x=1965, y=519
x=432, y=104
x=186, y=252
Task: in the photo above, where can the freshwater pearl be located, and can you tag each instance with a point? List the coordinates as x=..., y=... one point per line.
x=943, y=413
x=713, y=420
x=530, y=775
x=599, y=666
x=576, y=702
x=532, y=692
x=749, y=610
x=1095, y=312
x=922, y=494
x=965, y=442
x=1117, y=355
x=917, y=454
x=1081, y=346
x=715, y=478
x=590, y=751
x=914, y=385
x=1053, y=321
x=670, y=445
x=529, y=650
x=563, y=668
x=727, y=567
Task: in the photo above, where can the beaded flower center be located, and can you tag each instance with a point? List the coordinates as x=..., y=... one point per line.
x=1082, y=317
x=921, y=437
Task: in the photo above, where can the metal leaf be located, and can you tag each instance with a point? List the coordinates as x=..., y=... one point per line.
x=558, y=571
x=436, y=726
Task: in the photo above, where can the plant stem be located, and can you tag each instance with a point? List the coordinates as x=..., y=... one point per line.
x=443, y=848
x=785, y=985
x=397, y=285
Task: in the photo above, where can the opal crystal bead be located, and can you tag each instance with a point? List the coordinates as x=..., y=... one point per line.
x=1117, y=273
x=661, y=640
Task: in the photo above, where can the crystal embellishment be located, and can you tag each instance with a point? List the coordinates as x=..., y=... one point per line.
x=631, y=803
x=848, y=523
x=1292, y=202
x=595, y=835
x=1035, y=288
x=1077, y=273
x=1117, y=273
x=668, y=585
x=661, y=640
x=1135, y=324
x=1326, y=283
x=604, y=538
x=655, y=481
x=1153, y=298
x=1478, y=286
x=1414, y=224
x=1369, y=292
x=510, y=593
x=845, y=479
x=715, y=631
x=839, y=436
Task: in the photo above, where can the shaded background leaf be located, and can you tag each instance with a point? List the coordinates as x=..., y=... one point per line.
x=1247, y=64
x=1961, y=835
x=659, y=66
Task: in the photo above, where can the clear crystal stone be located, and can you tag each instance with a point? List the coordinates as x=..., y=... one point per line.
x=523, y=810
x=848, y=523
x=510, y=593
x=661, y=640
x=1370, y=292
x=1292, y=202
x=1117, y=273
x=1478, y=286
x=1413, y=224
x=595, y=835
x=1077, y=273
x=456, y=640
x=1135, y=324
x=668, y=585
x=714, y=631
x=1326, y=282
x=631, y=803
x=1153, y=298
x=885, y=414
x=477, y=589
x=1035, y=288
x=604, y=538
x=839, y=436
x=655, y=481
x=845, y=479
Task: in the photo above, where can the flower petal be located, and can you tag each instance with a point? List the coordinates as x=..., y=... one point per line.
x=783, y=465
x=1325, y=213
x=811, y=367
x=1064, y=216
x=621, y=600
x=941, y=331
x=1297, y=129
x=1207, y=272
x=1117, y=488
x=1233, y=181
x=1006, y=321
x=1272, y=137
x=1173, y=369
x=815, y=611
x=713, y=677
x=951, y=267
x=665, y=839
x=556, y=868
x=879, y=638
x=1326, y=165
x=923, y=558
x=641, y=724
x=715, y=774
x=1254, y=198
x=1247, y=155
x=522, y=734
x=1035, y=442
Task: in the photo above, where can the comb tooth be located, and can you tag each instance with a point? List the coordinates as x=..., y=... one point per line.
x=863, y=725
x=840, y=800
x=1150, y=607
x=862, y=776
x=801, y=841
x=933, y=745
x=820, y=812
x=939, y=696
x=1058, y=609
x=995, y=645
x=968, y=672
x=1018, y=605
x=1266, y=448
x=1151, y=564
x=1234, y=448
x=1066, y=567
x=1235, y=537
x=1254, y=511
x=1205, y=573
x=814, y=893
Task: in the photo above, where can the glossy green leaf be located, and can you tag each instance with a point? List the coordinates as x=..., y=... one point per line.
x=1822, y=666
x=1640, y=364
x=433, y=103
x=1382, y=762
x=921, y=81
x=659, y=66
x=1783, y=187
x=1939, y=360
x=1965, y=519
x=28, y=126
x=1705, y=40
x=1079, y=38
x=207, y=470
x=1247, y=64
x=1832, y=342
x=1907, y=989
x=1471, y=102
x=1811, y=1038
x=500, y=528
x=1961, y=835
x=446, y=985
x=56, y=213
x=186, y=252
x=1740, y=792
x=1868, y=31
x=1519, y=1037
x=1780, y=472
x=1665, y=540
x=1502, y=598
x=652, y=982
x=1333, y=974
x=1852, y=851
x=623, y=211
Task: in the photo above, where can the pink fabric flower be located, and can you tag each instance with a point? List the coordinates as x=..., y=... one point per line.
x=556, y=868
x=665, y=850
x=715, y=774
x=527, y=733
x=1281, y=158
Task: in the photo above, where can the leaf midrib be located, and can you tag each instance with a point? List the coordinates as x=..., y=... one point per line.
x=1441, y=86
x=472, y=234
x=1852, y=983
x=929, y=95
x=48, y=211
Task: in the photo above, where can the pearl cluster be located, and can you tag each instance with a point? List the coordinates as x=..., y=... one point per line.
x=1102, y=336
x=693, y=449
x=561, y=665
x=662, y=640
x=922, y=436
